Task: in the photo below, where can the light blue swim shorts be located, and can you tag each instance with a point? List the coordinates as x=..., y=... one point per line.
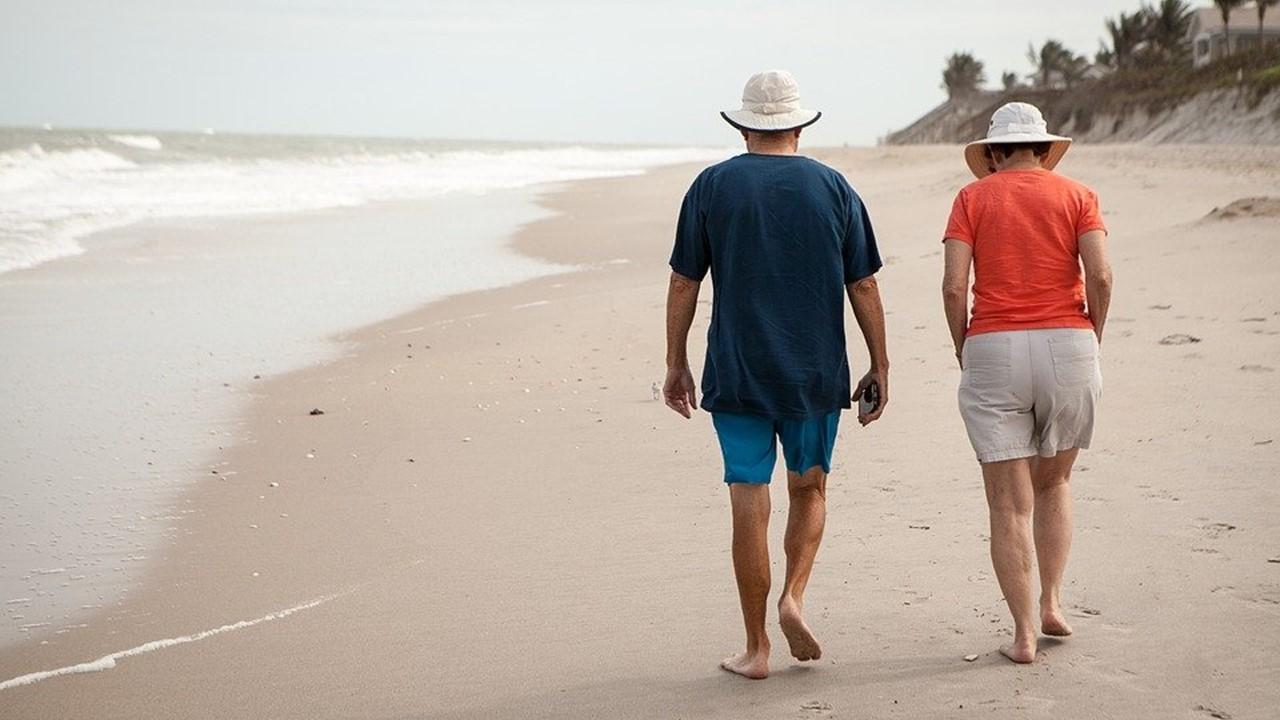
x=750, y=451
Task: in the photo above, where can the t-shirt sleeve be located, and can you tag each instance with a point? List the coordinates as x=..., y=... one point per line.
x=861, y=256
x=958, y=225
x=691, y=256
x=1090, y=215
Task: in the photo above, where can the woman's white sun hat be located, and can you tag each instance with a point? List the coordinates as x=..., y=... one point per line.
x=771, y=102
x=1015, y=122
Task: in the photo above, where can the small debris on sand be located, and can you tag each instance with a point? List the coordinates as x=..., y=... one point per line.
x=816, y=705
x=1160, y=307
x=1179, y=339
x=466, y=439
x=970, y=658
x=316, y=411
x=273, y=484
x=918, y=527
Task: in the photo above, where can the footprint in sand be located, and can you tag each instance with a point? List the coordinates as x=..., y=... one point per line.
x=1257, y=368
x=1218, y=529
x=1082, y=611
x=1213, y=712
x=1179, y=339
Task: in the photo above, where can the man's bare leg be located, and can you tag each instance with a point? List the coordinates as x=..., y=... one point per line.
x=751, y=567
x=1010, y=499
x=806, y=517
x=1050, y=479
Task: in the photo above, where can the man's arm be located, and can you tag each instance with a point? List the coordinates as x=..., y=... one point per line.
x=1097, y=277
x=864, y=296
x=679, y=390
x=955, y=291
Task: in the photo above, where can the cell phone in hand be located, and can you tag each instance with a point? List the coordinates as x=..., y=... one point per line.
x=869, y=400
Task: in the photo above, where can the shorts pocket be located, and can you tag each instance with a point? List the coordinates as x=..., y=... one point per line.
x=1075, y=359
x=987, y=362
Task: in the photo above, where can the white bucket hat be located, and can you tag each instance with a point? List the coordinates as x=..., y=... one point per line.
x=771, y=102
x=1015, y=122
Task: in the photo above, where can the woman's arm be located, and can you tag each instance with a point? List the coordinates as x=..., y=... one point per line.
x=1097, y=277
x=955, y=291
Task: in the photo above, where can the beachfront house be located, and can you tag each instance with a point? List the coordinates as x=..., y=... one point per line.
x=1209, y=37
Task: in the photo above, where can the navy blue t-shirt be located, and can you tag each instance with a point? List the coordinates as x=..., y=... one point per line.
x=782, y=236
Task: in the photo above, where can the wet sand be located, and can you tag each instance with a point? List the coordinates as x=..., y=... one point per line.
x=495, y=518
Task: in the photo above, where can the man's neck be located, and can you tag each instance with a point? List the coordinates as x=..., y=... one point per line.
x=772, y=148
x=1020, y=163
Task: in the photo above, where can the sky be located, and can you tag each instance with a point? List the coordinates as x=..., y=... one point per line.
x=539, y=70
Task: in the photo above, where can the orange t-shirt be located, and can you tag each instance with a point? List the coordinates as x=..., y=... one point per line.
x=1023, y=226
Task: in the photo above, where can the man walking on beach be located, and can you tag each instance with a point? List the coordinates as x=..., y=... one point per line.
x=1030, y=379
x=785, y=239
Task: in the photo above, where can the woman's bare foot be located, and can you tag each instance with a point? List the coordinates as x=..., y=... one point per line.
x=1021, y=650
x=1053, y=623
x=804, y=646
x=749, y=665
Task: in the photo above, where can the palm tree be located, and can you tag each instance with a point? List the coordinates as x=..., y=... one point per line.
x=1054, y=58
x=1048, y=60
x=1073, y=68
x=1104, y=57
x=1262, y=14
x=963, y=74
x=1167, y=27
x=1127, y=33
x=1225, y=7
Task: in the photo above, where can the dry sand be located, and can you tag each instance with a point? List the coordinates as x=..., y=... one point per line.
x=498, y=520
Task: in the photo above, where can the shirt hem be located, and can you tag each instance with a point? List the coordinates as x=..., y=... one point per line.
x=1073, y=324
x=774, y=415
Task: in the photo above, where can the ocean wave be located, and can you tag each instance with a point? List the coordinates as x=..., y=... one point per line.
x=54, y=198
x=141, y=142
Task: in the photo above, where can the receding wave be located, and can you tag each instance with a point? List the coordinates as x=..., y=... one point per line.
x=55, y=197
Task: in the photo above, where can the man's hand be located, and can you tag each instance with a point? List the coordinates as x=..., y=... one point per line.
x=879, y=378
x=679, y=390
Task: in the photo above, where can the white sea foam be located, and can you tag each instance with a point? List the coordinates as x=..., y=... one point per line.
x=142, y=142
x=51, y=199
x=107, y=662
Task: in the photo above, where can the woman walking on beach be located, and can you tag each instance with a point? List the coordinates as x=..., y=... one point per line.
x=1028, y=351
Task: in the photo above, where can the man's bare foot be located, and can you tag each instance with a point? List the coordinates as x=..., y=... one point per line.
x=754, y=666
x=804, y=646
x=1021, y=651
x=1052, y=623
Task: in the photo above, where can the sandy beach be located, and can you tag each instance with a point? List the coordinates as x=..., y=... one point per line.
x=494, y=517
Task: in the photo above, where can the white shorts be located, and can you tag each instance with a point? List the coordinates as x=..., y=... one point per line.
x=1030, y=392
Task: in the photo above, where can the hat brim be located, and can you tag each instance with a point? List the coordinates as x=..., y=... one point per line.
x=747, y=120
x=975, y=155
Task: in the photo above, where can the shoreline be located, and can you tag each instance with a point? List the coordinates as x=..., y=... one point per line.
x=182, y=357
x=332, y=349
x=466, y=517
